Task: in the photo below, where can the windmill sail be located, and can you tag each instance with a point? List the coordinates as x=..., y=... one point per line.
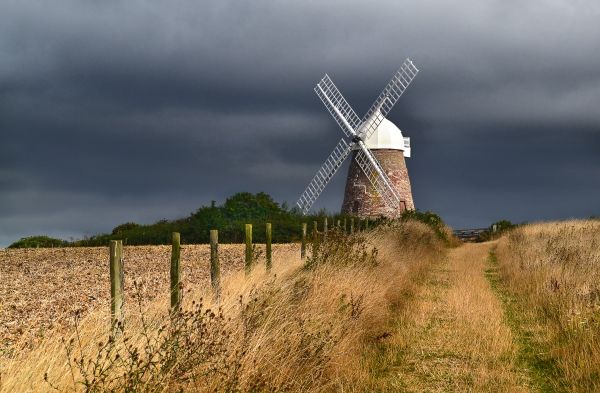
x=337, y=105
x=388, y=98
x=323, y=175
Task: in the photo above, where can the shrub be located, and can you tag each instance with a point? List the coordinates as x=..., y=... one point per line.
x=229, y=218
x=502, y=226
x=189, y=346
x=38, y=241
x=431, y=219
x=124, y=227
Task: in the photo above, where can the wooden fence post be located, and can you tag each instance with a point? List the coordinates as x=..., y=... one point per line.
x=117, y=282
x=351, y=226
x=367, y=224
x=315, y=230
x=268, y=247
x=345, y=226
x=175, y=271
x=215, y=268
x=338, y=226
x=303, y=244
x=248, y=263
x=325, y=228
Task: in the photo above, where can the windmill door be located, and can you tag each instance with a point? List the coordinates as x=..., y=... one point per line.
x=402, y=206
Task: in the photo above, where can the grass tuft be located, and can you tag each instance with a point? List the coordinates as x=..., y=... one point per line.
x=550, y=275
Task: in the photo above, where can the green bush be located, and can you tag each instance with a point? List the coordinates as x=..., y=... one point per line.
x=431, y=219
x=229, y=218
x=502, y=226
x=38, y=241
x=125, y=227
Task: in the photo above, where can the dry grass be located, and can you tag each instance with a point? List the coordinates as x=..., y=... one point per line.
x=42, y=288
x=453, y=337
x=552, y=271
x=297, y=329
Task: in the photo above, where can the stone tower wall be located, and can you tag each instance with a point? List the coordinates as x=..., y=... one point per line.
x=361, y=199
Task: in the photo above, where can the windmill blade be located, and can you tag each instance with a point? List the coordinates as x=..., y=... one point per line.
x=337, y=105
x=382, y=184
x=323, y=175
x=388, y=98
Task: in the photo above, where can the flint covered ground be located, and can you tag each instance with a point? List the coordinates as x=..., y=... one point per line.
x=137, y=111
x=48, y=286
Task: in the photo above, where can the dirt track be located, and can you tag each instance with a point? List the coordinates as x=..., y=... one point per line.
x=457, y=340
x=40, y=289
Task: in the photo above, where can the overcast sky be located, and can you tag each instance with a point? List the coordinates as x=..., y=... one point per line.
x=116, y=111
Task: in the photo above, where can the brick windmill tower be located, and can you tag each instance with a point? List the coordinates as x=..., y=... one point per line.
x=378, y=183
x=389, y=148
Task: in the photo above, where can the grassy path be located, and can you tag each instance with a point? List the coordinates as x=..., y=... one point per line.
x=455, y=337
x=530, y=356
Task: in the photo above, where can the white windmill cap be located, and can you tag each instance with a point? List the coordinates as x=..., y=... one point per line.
x=388, y=136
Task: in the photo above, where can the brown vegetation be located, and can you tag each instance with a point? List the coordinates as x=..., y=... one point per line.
x=301, y=328
x=42, y=288
x=551, y=273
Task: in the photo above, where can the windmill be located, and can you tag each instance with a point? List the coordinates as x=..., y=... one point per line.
x=374, y=186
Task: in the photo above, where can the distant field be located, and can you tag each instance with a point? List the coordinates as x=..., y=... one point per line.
x=41, y=289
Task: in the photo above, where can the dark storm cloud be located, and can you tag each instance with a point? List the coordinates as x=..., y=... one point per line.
x=140, y=110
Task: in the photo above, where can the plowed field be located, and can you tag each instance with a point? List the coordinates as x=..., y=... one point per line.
x=41, y=289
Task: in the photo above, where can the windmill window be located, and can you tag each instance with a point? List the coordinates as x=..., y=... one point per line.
x=355, y=206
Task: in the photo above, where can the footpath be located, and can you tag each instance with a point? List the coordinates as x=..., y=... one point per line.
x=456, y=338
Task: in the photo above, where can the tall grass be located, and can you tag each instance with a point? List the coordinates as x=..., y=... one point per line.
x=552, y=270
x=306, y=327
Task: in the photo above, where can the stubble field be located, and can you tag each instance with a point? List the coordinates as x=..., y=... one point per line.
x=42, y=289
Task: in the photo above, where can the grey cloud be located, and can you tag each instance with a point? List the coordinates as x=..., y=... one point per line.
x=128, y=105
